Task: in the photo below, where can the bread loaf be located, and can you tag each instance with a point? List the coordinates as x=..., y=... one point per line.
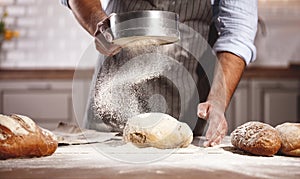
x=157, y=130
x=256, y=138
x=290, y=138
x=20, y=137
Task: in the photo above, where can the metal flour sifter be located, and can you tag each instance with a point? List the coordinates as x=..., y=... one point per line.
x=160, y=27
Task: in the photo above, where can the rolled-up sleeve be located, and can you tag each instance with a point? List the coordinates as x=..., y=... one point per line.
x=65, y=2
x=237, y=24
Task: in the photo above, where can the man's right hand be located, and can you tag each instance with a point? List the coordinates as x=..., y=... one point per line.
x=90, y=15
x=108, y=50
x=103, y=39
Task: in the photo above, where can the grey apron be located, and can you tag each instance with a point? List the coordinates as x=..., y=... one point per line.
x=196, y=14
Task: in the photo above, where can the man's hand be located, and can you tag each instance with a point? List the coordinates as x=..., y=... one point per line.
x=217, y=129
x=103, y=39
x=108, y=50
x=228, y=72
x=93, y=19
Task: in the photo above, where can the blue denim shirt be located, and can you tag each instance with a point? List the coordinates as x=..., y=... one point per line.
x=236, y=22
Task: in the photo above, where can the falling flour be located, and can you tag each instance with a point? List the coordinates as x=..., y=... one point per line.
x=118, y=95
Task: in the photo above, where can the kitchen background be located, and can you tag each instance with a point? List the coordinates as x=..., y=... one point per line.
x=49, y=38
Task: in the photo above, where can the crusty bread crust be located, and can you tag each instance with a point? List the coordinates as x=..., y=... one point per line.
x=256, y=138
x=290, y=138
x=34, y=142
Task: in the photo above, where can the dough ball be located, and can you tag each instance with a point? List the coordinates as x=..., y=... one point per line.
x=157, y=130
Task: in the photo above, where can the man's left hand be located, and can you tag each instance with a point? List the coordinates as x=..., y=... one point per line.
x=217, y=128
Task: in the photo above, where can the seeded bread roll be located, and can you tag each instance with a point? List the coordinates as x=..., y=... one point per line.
x=290, y=138
x=256, y=138
x=20, y=137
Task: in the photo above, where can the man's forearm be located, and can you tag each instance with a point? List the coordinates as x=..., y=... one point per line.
x=88, y=13
x=228, y=73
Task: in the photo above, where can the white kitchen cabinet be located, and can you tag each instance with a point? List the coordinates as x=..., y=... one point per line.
x=46, y=102
x=271, y=101
x=280, y=106
x=275, y=101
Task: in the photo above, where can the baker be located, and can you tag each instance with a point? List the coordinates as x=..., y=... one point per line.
x=236, y=24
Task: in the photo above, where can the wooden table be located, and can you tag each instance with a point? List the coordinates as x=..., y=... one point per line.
x=102, y=160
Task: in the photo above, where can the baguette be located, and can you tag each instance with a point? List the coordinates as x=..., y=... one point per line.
x=20, y=137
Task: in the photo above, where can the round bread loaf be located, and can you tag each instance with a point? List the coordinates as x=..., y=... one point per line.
x=290, y=138
x=20, y=137
x=257, y=138
x=157, y=130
